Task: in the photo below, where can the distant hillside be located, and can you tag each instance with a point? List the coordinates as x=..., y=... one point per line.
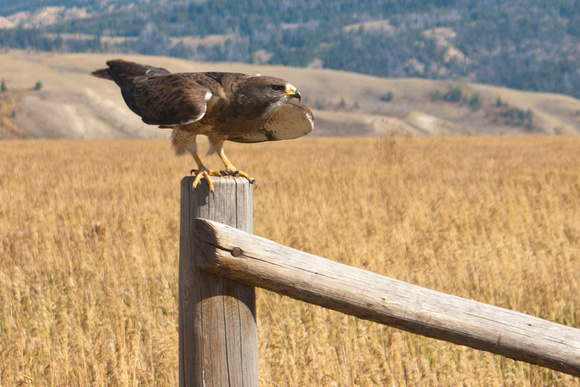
x=52, y=95
x=522, y=44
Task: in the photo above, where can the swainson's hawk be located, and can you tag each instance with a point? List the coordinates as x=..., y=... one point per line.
x=222, y=106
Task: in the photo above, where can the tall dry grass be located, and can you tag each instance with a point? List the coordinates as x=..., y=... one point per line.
x=89, y=253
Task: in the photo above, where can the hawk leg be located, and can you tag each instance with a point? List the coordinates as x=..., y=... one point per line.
x=230, y=169
x=203, y=173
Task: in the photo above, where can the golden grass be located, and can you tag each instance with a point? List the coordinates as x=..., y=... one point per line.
x=89, y=254
x=8, y=126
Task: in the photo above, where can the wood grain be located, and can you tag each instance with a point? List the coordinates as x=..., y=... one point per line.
x=264, y=263
x=218, y=341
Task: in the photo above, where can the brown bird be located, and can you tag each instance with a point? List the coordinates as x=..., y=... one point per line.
x=222, y=106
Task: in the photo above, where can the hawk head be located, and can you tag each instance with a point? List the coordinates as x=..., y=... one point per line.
x=278, y=88
x=265, y=92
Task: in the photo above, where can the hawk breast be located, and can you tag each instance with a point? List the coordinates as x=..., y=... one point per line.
x=291, y=120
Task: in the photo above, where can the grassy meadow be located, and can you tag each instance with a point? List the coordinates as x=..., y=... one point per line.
x=89, y=235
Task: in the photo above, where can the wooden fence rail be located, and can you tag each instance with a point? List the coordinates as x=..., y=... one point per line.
x=241, y=256
x=260, y=262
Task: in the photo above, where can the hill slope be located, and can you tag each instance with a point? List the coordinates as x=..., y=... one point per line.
x=523, y=44
x=72, y=104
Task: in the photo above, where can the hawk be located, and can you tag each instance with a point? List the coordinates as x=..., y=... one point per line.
x=222, y=106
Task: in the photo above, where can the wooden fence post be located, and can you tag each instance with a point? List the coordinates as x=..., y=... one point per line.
x=218, y=340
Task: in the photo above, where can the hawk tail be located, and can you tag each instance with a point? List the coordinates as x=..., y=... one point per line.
x=102, y=73
x=121, y=70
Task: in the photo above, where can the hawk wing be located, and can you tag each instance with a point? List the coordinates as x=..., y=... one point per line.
x=292, y=120
x=164, y=98
x=171, y=99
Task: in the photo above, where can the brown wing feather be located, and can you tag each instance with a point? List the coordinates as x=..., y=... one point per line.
x=292, y=120
x=229, y=81
x=181, y=98
x=163, y=98
x=170, y=99
x=122, y=69
x=155, y=94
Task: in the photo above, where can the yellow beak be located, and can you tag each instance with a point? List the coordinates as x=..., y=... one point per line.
x=293, y=92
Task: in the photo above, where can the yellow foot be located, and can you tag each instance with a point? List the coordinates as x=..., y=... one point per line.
x=240, y=174
x=204, y=174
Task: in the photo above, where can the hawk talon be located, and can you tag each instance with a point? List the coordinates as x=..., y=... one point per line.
x=204, y=173
x=245, y=175
x=230, y=173
x=199, y=176
x=238, y=173
x=210, y=172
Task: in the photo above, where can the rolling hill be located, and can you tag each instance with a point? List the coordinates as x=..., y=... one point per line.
x=522, y=44
x=52, y=95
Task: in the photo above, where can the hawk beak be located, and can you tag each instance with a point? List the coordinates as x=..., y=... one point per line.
x=297, y=94
x=293, y=92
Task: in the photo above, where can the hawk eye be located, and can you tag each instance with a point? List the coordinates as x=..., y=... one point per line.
x=278, y=87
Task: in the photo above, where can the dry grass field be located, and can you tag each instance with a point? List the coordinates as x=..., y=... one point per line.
x=89, y=254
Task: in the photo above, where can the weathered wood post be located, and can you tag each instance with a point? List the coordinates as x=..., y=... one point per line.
x=218, y=340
